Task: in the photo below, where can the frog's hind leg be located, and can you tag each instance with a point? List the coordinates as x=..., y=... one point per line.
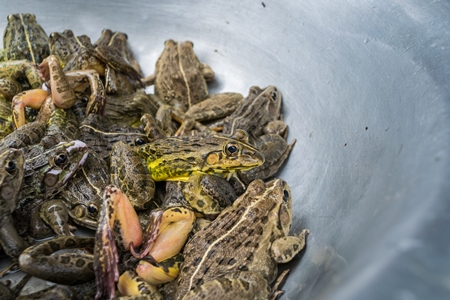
x=66, y=267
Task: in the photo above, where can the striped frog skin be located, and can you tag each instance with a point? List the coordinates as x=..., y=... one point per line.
x=176, y=158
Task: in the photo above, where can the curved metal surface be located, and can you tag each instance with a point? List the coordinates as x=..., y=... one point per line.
x=366, y=94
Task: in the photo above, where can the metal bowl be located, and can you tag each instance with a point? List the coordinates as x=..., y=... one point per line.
x=366, y=94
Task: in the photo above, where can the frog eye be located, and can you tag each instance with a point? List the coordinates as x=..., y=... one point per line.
x=274, y=95
x=140, y=141
x=231, y=149
x=10, y=167
x=68, y=33
x=30, y=17
x=60, y=159
x=285, y=195
x=93, y=209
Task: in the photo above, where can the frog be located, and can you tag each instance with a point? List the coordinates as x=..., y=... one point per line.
x=46, y=173
x=119, y=40
x=236, y=256
x=82, y=196
x=255, y=112
x=78, y=53
x=123, y=72
x=180, y=81
x=62, y=95
x=11, y=177
x=175, y=158
x=24, y=46
x=24, y=39
x=180, y=78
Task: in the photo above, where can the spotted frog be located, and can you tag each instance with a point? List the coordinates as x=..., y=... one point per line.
x=176, y=158
x=236, y=256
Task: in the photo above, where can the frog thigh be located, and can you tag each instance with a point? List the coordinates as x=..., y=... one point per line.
x=243, y=285
x=285, y=248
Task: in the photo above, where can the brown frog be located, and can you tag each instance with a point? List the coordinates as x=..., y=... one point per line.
x=236, y=256
x=24, y=39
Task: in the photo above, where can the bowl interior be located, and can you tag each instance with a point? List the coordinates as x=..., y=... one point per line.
x=365, y=91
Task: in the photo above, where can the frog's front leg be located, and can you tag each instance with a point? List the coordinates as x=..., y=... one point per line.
x=65, y=268
x=284, y=249
x=55, y=214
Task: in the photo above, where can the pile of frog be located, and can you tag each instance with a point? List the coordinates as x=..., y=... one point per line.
x=177, y=185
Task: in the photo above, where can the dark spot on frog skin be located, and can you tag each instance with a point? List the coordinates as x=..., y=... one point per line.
x=197, y=261
x=250, y=257
x=288, y=253
x=54, y=246
x=177, y=210
x=80, y=262
x=65, y=259
x=295, y=247
x=211, y=253
x=236, y=245
x=70, y=243
x=231, y=261
x=243, y=268
x=264, y=220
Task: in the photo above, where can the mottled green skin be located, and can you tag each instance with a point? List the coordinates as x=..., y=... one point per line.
x=176, y=158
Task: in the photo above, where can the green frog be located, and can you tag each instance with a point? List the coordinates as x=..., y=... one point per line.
x=236, y=256
x=175, y=158
x=11, y=176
